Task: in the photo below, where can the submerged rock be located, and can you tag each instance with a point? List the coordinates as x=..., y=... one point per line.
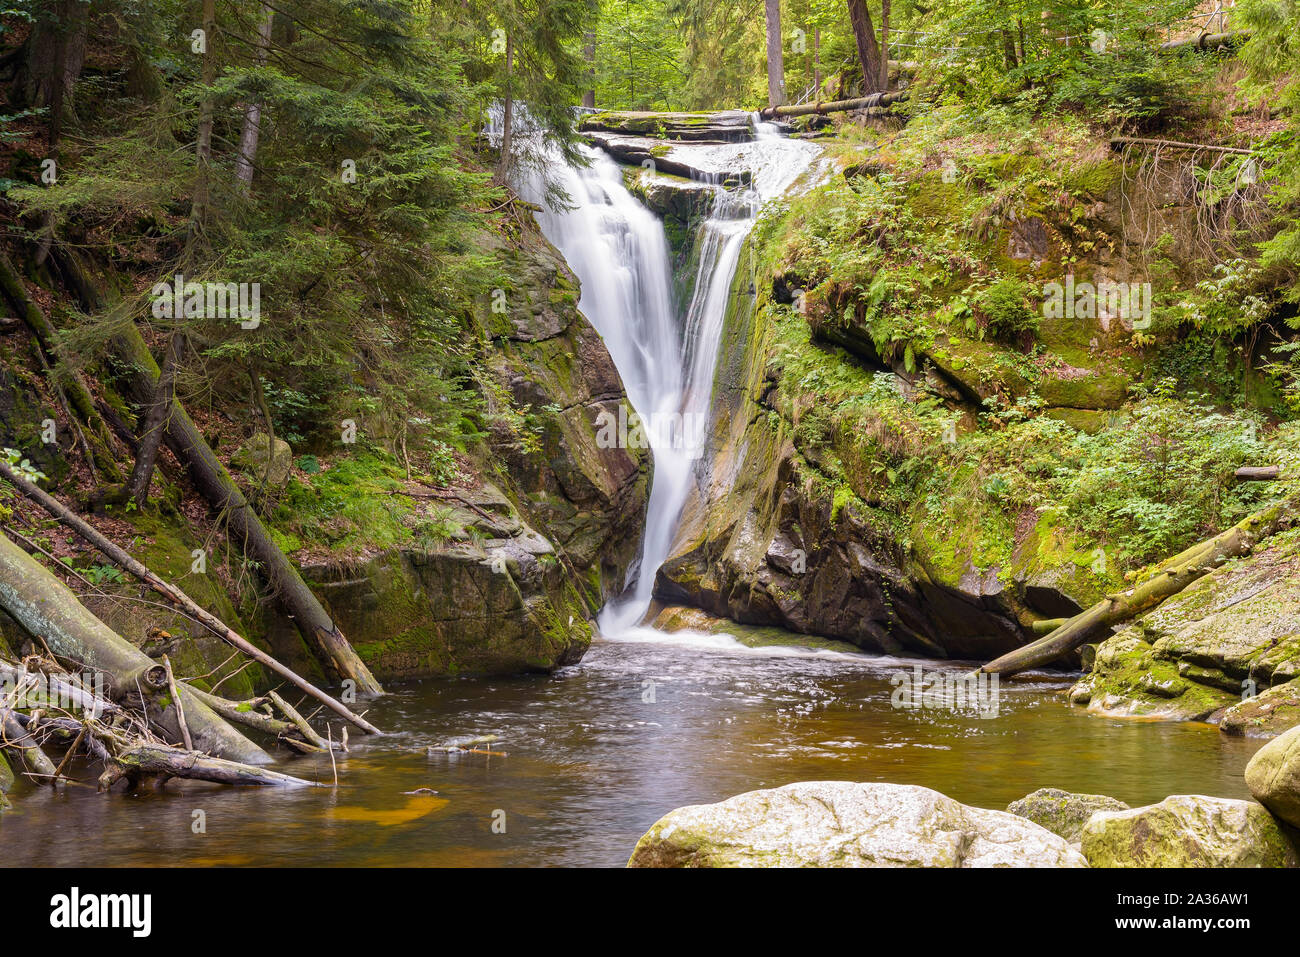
x=1188, y=830
x=844, y=824
x=1273, y=776
x=1062, y=812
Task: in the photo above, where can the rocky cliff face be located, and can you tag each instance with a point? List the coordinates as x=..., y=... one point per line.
x=760, y=543
x=552, y=527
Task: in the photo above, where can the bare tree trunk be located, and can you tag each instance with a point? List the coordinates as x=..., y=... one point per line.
x=245, y=528
x=884, y=44
x=507, y=114
x=589, y=54
x=817, y=64
x=252, y=127
x=864, y=35
x=775, y=55
x=155, y=424
x=207, y=110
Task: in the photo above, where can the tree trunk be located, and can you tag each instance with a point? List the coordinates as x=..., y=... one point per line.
x=149, y=760
x=56, y=53
x=78, y=393
x=817, y=64
x=44, y=606
x=207, y=111
x=775, y=55
x=507, y=115
x=1169, y=579
x=864, y=35
x=589, y=55
x=175, y=595
x=884, y=44
x=137, y=488
x=248, y=136
x=245, y=528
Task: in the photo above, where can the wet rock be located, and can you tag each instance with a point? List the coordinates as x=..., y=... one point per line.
x=1273, y=776
x=1188, y=831
x=1264, y=715
x=843, y=824
x=1061, y=812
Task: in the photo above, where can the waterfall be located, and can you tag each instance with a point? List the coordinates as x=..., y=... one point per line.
x=619, y=252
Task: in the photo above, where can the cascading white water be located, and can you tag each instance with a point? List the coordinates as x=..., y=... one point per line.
x=620, y=254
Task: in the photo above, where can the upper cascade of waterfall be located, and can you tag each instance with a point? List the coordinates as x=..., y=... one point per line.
x=665, y=352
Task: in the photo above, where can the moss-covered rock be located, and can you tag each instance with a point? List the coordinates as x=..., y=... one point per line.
x=1188, y=831
x=1273, y=776
x=1266, y=714
x=1209, y=650
x=1062, y=812
x=842, y=824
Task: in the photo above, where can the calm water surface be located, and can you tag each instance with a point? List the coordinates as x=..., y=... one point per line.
x=591, y=764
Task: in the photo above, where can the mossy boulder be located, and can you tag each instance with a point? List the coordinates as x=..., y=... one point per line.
x=265, y=460
x=1273, y=776
x=1061, y=812
x=843, y=824
x=1209, y=649
x=1266, y=714
x=492, y=605
x=1188, y=831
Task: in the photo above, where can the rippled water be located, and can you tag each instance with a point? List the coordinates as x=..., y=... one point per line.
x=594, y=759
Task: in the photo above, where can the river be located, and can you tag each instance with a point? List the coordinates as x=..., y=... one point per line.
x=591, y=763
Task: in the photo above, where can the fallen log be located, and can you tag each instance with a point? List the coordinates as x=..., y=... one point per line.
x=22, y=745
x=1207, y=41
x=1046, y=626
x=836, y=106
x=44, y=606
x=174, y=594
x=155, y=760
x=62, y=689
x=1257, y=473
x=1169, y=578
x=245, y=528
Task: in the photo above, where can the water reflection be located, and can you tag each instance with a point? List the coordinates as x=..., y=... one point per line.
x=598, y=752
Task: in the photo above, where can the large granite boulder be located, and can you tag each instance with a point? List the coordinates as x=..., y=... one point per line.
x=1061, y=812
x=843, y=824
x=1188, y=830
x=1273, y=776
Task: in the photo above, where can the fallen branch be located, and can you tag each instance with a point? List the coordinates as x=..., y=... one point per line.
x=22, y=745
x=145, y=760
x=174, y=594
x=1119, y=142
x=1169, y=579
x=44, y=606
